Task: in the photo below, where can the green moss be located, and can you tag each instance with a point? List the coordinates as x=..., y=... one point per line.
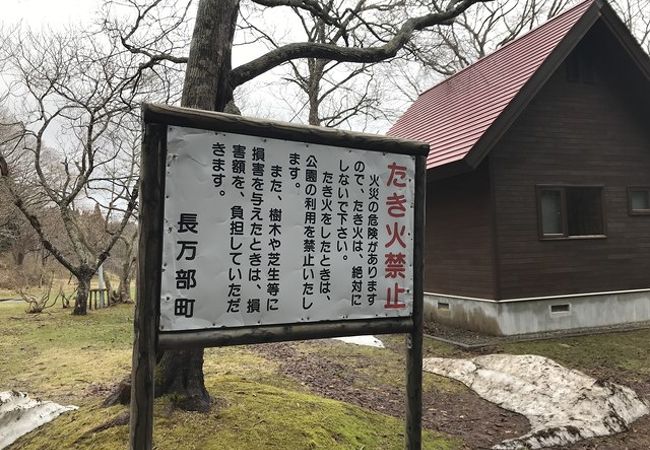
x=73, y=430
x=627, y=352
x=256, y=416
x=262, y=416
x=74, y=359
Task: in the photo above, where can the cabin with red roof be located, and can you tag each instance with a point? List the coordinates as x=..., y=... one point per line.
x=538, y=198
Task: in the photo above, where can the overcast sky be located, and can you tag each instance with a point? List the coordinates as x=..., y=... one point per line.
x=59, y=13
x=39, y=14
x=47, y=12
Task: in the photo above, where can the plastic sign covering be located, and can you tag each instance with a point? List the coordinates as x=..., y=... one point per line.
x=261, y=231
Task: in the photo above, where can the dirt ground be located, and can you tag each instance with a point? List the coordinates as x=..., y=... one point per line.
x=480, y=424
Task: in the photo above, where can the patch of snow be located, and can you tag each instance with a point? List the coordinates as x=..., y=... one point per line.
x=20, y=414
x=562, y=405
x=369, y=341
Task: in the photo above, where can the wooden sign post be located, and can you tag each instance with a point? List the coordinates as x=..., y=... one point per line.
x=255, y=231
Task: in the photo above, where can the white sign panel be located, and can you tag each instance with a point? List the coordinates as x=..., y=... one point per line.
x=263, y=231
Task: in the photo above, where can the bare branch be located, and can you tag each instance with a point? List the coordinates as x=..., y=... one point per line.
x=248, y=71
x=314, y=7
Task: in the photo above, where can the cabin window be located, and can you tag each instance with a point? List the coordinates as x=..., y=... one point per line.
x=551, y=210
x=639, y=200
x=570, y=212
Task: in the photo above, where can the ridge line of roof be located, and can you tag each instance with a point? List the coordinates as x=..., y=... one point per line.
x=518, y=38
x=537, y=79
x=627, y=40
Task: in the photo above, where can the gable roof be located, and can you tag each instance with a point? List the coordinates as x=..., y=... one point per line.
x=464, y=116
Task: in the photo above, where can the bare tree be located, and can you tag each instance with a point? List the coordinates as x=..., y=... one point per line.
x=110, y=195
x=38, y=304
x=122, y=263
x=330, y=93
x=442, y=51
x=74, y=99
x=16, y=235
x=479, y=32
x=210, y=80
x=636, y=16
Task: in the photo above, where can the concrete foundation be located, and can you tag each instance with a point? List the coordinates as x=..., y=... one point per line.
x=533, y=315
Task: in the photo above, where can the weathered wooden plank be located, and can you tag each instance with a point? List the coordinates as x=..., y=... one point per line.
x=460, y=234
x=414, y=338
x=209, y=120
x=279, y=333
x=145, y=323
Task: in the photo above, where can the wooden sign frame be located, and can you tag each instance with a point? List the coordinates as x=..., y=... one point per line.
x=147, y=338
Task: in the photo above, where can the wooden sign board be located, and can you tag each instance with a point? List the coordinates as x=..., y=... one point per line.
x=255, y=231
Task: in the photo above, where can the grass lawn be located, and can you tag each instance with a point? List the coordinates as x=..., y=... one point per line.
x=266, y=399
x=75, y=360
x=623, y=355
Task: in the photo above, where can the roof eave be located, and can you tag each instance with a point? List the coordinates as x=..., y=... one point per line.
x=448, y=170
x=627, y=40
x=496, y=131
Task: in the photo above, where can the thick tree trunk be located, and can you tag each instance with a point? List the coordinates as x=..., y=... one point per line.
x=181, y=372
x=83, y=291
x=206, y=87
x=206, y=77
x=124, y=288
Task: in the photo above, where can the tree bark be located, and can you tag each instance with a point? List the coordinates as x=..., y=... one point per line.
x=206, y=87
x=83, y=291
x=316, y=67
x=181, y=373
x=124, y=288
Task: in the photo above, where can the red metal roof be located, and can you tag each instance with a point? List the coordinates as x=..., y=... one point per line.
x=453, y=115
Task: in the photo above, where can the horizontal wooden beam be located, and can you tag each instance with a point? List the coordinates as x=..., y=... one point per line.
x=229, y=123
x=278, y=333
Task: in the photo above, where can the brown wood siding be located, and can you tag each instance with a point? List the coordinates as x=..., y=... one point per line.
x=581, y=134
x=459, y=252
